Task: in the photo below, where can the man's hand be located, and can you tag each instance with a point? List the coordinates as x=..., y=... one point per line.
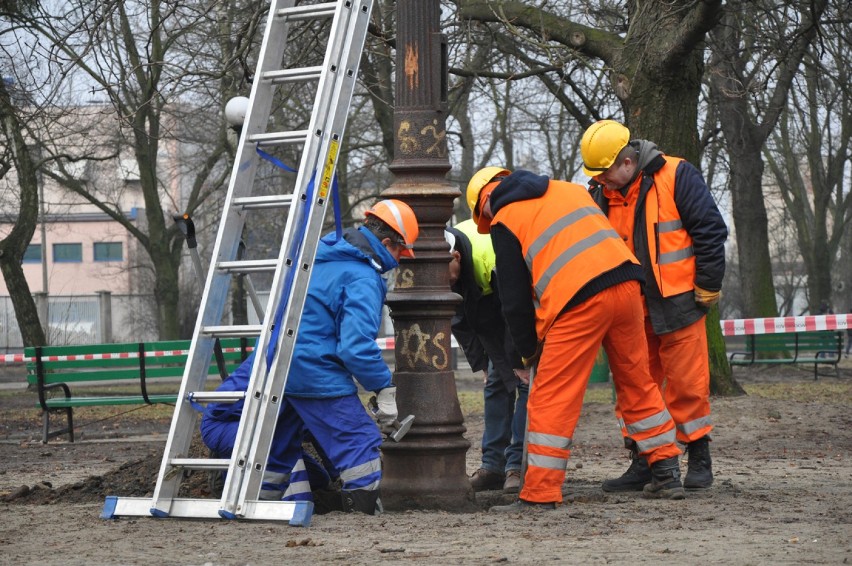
x=523, y=375
x=386, y=411
x=706, y=298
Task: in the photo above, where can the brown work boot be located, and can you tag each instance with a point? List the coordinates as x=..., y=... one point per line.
x=513, y=482
x=665, y=480
x=485, y=480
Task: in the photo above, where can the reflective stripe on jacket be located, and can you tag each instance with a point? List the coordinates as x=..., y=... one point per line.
x=566, y=241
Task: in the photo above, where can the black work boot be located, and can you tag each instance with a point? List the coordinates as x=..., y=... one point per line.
x=665, y=480
x=634, y=479
x=361, y=500
x=699, y=470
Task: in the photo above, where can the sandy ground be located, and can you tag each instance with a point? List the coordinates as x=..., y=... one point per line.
x=783, y=495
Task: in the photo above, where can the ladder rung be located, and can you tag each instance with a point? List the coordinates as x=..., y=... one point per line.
x=248, y=266
x=269, y=201
x=279, y=138
x=242, y=331
x=217, y=396
x=310, y=12
x=200, y=463
x=293, y=75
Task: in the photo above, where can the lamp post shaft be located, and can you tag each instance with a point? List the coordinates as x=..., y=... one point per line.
x=427, y=469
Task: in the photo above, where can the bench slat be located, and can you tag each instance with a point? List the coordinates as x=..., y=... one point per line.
x=61, y=402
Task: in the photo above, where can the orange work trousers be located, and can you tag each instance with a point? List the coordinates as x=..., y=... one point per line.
x=680, y=366
x=614, y=318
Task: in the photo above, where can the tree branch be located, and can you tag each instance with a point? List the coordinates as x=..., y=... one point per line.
x=588, y=41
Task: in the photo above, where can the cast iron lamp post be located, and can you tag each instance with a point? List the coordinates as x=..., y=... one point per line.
x=426, y=470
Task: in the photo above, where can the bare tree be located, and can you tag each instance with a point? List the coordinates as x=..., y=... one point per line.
x=16, y=155
x=154, y=64
x=809, y=155
x=756, y=53
x=651, y=53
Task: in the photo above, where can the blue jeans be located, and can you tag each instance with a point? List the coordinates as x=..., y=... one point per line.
x=505, y=425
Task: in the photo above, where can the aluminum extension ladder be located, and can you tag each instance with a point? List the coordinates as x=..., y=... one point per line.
x=306, y=208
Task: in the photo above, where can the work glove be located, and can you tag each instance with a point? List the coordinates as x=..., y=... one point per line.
x=706, y=298
x=386, y=411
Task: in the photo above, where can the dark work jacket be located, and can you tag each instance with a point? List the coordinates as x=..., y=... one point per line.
x=478, y=324
x=704, y=224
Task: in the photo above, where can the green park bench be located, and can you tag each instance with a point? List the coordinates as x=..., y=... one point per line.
x=66, y=377
x=814, y=347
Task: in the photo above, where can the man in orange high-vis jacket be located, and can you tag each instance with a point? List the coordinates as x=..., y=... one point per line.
x=663, y=210
x=569, y=284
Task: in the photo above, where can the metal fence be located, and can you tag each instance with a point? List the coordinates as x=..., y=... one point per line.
x=86, y=319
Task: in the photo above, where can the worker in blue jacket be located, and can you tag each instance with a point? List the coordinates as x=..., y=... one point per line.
x=335, y=347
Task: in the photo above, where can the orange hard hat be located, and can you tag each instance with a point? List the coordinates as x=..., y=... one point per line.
x=400, y=217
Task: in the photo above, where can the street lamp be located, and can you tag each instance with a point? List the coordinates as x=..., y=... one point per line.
x=235, y=112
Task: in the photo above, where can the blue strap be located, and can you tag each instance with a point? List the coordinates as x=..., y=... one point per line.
x=274, y=160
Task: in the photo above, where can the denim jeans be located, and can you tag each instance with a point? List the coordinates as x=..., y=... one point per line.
x=505, y=425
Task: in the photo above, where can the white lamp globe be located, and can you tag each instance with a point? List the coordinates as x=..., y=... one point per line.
x=235, y=111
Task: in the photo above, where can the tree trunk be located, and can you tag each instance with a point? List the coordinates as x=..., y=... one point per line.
x=12, y=247
x=722, y=380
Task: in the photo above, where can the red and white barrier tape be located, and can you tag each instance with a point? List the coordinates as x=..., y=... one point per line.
x=733, y=327
x=21, y=358
x=384, y=344
x=745, y=326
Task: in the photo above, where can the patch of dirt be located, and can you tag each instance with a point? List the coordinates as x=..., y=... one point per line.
x=782, y=459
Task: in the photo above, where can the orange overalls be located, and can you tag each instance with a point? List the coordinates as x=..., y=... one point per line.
x=679, y=360
x=568, y=242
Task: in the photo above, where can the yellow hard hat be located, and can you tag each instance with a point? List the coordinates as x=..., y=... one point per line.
x=601, y=144
x=400, y=217
x=478, y=182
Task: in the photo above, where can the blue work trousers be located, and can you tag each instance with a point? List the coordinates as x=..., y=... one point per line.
x=505, y=424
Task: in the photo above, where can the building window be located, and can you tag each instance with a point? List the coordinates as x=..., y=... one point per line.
x=33, y=254
x=67, y=253
x=108, y=251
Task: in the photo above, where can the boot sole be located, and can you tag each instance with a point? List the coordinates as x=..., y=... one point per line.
x=624, y=489
x=698, y=486
x=674, y=494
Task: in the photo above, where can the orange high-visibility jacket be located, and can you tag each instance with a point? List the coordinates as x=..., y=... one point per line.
x=670, y=250
x=566, y=241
